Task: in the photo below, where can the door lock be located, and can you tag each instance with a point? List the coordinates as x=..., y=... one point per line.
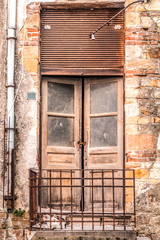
x=81, y=143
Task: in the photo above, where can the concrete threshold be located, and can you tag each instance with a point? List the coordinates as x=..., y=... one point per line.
x=84, y=235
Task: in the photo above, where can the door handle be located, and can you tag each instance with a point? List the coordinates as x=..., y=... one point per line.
x=81, y=143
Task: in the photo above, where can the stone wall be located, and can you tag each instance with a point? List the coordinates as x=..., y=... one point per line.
x=142, y=108
x=142, y=111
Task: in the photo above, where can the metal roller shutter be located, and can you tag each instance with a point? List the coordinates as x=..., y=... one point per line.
x=65, y=41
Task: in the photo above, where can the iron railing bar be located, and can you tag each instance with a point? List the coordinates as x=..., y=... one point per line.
x=92, y=205
x=39, y=190
x=113, y=201
x=105, y=214
x=134, y=196
x=90, y=221
x=50, y=199
x=61, y=198
x=71, y=205
x=78, y=186
x=95, y=170
x=124, y=200
x=30, y=193
x=4, y=158
x=82, y=175
x=103, y=197
x=76, y=178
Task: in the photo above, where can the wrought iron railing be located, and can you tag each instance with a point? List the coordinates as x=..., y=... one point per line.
x=90, y=199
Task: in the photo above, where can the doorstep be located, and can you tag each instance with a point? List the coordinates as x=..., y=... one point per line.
x=90, y=235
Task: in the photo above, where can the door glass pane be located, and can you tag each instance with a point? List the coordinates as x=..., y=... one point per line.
x=104, y=97
x=104, y=131
x=60, y=98
x=60, y=131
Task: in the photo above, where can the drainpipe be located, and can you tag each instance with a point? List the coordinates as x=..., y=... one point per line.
x=12, y=5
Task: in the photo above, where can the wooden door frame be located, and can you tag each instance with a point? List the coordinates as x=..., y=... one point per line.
x=40, y=129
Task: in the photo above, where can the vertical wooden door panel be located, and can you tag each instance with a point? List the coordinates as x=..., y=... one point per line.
x=61, y=98
x=103, y=134
x=60, y=121
x=103, y=123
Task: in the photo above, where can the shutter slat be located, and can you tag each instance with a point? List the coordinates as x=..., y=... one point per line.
x=67, y=43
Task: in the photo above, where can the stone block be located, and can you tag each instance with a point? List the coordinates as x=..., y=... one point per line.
x=132, y=82
x=30, y=52
x=23, y=34
x=133, y=52
x=16, y=235
x=3, y=215
x=131, y=120
x=133, y=165
x=150, y=82
x=132, y=110
x=142, y=174
x=140, y=142
x=145, y=93
x=2, y=234
x=154, y=52
x=19, y=223
x=132, y=19
x=146, y=22
x=33, y=21
x=155, y=119
x=152, y=6
x=143, y=238
x=144, y=120
x=31, y=65
x=155, y=173
x=157, y=93
x=155, y=220
x=131, y=129
x=131, y=92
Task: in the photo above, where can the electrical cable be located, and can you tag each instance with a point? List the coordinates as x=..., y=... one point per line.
x=92, y=35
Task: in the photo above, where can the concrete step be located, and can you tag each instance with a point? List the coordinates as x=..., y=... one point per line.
x=92, y=235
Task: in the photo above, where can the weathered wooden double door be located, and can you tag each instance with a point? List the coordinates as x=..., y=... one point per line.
x=82, y=128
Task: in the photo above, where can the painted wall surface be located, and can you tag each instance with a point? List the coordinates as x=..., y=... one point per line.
x=142, y=109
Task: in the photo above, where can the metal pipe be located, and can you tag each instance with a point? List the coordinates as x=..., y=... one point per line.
x=12, y=5
x=10, y=67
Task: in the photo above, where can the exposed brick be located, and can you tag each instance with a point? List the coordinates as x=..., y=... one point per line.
x=33, y=30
